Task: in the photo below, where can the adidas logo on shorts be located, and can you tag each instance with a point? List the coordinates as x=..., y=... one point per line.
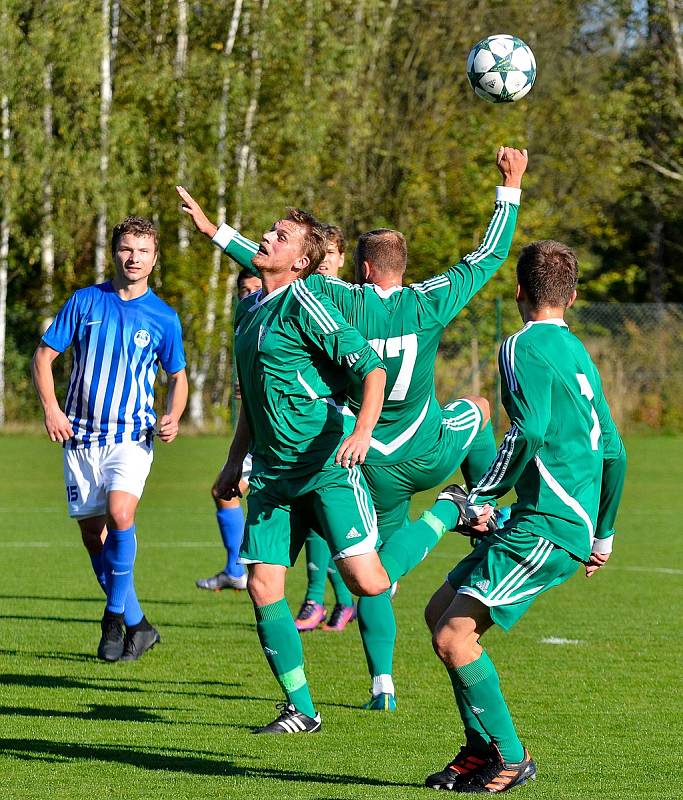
x=353, y=534
x=483, y=585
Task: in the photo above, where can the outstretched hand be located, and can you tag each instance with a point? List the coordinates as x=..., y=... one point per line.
x=190, y=206
x=512, y=164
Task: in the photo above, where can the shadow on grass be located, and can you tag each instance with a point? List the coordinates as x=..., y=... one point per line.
x=60, y=682
x=125, y=684
x=172, y=760
x=54, y=655
x=92, y=599
x=96, y=712
x=34, y=618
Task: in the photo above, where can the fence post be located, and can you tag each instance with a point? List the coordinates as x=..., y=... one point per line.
x=499, y=337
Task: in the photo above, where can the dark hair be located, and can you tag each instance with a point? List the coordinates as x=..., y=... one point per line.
x=385, y=249
x=138, y=226
x=313, y=239
x=548, y=272
x=334, y=234
x=245, y=275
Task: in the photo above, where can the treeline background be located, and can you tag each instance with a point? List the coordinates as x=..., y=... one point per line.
x=357, y=110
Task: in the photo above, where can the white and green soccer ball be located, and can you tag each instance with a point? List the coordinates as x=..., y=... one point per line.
x=501, y=68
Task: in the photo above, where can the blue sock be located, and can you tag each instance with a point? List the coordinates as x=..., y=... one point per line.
x=231, y=526
x=132, y=613
x=118, y=556
x=98, y=568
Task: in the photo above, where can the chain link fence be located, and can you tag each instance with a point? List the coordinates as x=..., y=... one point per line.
x=638, y=348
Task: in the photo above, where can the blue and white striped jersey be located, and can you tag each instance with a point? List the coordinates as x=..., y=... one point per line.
x=117, y=348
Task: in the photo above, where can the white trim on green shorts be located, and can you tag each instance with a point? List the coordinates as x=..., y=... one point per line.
x=502, y=594
x=368, y=515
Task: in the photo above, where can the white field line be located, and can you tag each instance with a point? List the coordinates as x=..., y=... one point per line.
x=560, y=640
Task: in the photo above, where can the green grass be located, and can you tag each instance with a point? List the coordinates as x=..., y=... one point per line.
x=602, y=717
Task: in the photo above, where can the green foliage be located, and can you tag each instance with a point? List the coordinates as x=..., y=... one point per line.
x=363, y=114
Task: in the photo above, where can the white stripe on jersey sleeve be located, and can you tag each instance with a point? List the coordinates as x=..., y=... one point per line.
x=314, y=307
x=492, y=235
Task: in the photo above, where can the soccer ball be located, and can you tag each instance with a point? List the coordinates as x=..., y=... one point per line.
x=501, y=68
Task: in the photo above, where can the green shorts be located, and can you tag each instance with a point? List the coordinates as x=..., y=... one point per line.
x=393, y=486
x=280, y=511
x=507, y=571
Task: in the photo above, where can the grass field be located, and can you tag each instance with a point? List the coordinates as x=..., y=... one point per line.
x=602, y=715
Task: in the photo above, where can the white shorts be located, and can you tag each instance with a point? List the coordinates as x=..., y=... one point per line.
x=246, y=468
x=91, y=473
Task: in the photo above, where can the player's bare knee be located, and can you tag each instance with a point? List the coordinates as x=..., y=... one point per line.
x=443, y=644
x=367, y=585
x=120, y=518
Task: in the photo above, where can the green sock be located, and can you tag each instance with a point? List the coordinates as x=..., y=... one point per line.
x=377, y=626
x=341, y=590
x=477, y=686
x=282, y=646
x=476, y=736
x=317, y=558
x=410, y=544
x=480, y=456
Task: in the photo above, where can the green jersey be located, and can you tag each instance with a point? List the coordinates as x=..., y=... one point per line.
x=405, y=325
x=295, y=358
x=562, y=453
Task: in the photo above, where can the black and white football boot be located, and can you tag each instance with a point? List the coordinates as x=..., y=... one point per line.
x=291, y=721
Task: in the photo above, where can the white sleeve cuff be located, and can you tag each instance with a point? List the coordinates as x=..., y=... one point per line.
x=223, y=236
x=509, y=194
x=603, y=546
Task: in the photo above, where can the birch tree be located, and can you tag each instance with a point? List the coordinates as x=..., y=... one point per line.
x=106, y=64
x=243, y=157
x=200, y=367
x=47, y=234
x=180, y=65
x=4, y=241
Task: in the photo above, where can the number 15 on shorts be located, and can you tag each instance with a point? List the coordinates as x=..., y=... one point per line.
x=72, y=493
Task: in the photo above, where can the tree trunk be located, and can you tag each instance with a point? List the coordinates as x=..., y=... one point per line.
x=4, y=246
x=179, y=75
x=243, y=153
x=47, y=238
x=105, y=109
x=199, y=370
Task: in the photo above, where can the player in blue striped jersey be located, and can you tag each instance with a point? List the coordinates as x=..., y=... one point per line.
x=119, y=332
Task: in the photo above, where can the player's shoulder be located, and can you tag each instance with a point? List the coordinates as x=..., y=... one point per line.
x=88, y=297
x=310, y=304
x=331, y=285
x=159, y=306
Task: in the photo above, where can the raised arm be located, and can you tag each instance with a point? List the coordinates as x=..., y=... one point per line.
x=57, y=423
x=233, y=244
x=444, y=295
